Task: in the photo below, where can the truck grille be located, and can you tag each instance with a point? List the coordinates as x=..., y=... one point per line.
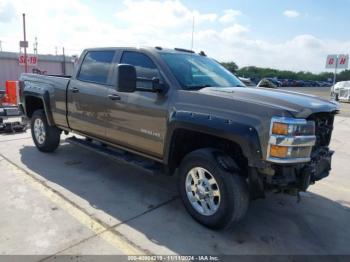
x=323, y=128
x=344, y=93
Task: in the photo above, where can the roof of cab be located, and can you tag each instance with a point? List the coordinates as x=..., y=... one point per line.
x=157, y=49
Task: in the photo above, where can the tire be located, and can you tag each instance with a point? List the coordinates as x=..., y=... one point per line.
x=49, y=139
x=232, y=202
x=335, y=96
x=8, y=128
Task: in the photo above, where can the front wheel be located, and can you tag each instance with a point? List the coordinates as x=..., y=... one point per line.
x=336, y=97
x=214, y=195
x=45, y=137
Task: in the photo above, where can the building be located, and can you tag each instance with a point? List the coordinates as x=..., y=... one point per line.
x=10, y=69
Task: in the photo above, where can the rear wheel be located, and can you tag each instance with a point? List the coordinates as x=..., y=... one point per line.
x=214, y=195
x=45, y=137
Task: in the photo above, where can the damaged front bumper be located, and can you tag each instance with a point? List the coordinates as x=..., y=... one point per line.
x=291, y=178
x=295, y=177
x=299, y=177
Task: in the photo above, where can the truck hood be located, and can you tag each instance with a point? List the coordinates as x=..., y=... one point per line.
x=299, y=105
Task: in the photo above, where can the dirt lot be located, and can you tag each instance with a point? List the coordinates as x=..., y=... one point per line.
x=76, y=202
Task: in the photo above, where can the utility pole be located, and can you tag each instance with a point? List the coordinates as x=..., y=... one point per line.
x=335, y=70
x=35, y=46
x=25, y=40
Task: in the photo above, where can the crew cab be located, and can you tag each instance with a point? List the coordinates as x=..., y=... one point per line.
x=185, y=113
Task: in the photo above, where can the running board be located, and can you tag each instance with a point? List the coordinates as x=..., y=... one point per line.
x=118, y=155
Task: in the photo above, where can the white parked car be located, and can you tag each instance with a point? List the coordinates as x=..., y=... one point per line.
x=341, y=91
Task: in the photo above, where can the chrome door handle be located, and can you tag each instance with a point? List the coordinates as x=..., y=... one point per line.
x=114, y=97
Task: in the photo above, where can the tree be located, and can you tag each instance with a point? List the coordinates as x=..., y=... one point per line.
x=230, y=66
x=343, y=76
x=257, y=73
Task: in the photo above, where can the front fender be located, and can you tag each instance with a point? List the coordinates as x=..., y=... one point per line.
x=244, y=135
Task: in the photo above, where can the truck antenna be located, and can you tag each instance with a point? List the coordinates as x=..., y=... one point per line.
x=192, y=34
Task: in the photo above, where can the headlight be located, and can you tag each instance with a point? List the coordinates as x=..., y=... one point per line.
x=291, y=140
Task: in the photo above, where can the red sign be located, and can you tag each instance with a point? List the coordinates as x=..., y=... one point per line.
x=343, y=61
x=32, y=60
x=331, y=61
x=337, y=61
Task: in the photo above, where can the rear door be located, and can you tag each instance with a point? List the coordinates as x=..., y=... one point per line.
x=138, y=120
x=87, y=93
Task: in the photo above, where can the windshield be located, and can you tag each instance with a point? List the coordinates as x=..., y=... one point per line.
x=196, y=72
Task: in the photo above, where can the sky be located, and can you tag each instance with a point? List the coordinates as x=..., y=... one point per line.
x=283, y=34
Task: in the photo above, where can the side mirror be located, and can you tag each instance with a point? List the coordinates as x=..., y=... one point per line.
x=157, y=87
x=126, y=78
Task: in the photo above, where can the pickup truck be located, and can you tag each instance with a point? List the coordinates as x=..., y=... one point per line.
x=185, y=113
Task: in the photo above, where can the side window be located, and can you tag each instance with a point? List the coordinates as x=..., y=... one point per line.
x=95, y=67
x=144, y=67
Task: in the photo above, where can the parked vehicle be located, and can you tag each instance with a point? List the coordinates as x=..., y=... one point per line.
x=285, y=82
x=274, y=81
x=341, y=91
x=2, y=95
x=308, y=83
x=177, y=112
x=11, y=118
x=323, y=84
x=266, y=83
x=247, y=81
x=289, y=83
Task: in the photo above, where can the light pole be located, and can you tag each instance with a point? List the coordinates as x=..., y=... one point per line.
x=25, y=45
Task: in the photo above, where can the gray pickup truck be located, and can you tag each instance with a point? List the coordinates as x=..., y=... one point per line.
x=179, y=112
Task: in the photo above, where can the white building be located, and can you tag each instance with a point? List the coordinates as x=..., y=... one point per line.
x=10, y=69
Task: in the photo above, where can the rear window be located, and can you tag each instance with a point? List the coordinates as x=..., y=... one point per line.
x=96, y=66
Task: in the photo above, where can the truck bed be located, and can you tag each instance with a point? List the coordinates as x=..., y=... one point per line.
x=49, y=79
x=47, y=86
